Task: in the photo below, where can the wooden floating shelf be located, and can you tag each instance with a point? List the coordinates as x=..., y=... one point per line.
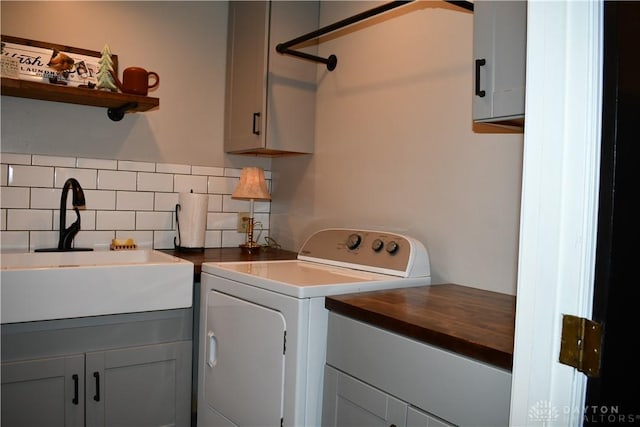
x=117, y=103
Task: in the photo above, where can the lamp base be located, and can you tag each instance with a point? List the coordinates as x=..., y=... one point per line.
x=250, y=247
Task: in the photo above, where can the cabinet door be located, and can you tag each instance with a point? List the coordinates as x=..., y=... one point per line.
x=270, y=97
x=43, y=392
x=244, y=361
x=246, y=75
x=417, y=418
x=499, y=45
x=140, y=386
x=291, y=99
x=350, y=402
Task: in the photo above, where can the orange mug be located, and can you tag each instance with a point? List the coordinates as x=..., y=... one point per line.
x=135, y=80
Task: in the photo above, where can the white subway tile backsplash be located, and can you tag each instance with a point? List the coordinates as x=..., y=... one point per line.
x=222, y=221
x=154, y=220
x=213, y=239
x=15, y=159
x=100, y=199
x=232, y=238
x=136, y=166
x=29, y=219
x=115, y=220
x=164, y=239
x=236, y=205
x=97, y=163
x=207, y=170
x=30, y=176
x=46, y=198
x=155, y=182
x=43, y=239
x=15, y=197
x=165, y=201
x=189, y=183
x=124, y=199
x=116, y=180
x=68, y=162
x=134, y=201
x=14, y=241
x=173, y=168
x=222, y=185
x=215, y=203
x=86, y=177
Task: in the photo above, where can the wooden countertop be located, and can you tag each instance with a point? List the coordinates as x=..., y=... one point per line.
x=229, y=255
x=473, y=322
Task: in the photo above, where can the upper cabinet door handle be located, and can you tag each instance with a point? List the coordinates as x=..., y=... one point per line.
x=479, y=63
x=256, y=131
x=96, y=396
x=76, y=380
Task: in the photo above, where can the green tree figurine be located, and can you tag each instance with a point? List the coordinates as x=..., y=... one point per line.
x=105, y=80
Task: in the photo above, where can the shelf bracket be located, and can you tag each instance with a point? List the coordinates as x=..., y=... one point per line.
x=116, y=114
x=332, y=61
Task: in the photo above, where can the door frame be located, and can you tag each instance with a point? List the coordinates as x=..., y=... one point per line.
x=558, y=228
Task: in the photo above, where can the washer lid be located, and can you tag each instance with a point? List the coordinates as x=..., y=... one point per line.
x=303, y=279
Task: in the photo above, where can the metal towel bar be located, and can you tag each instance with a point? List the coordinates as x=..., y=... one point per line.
x=332, y=60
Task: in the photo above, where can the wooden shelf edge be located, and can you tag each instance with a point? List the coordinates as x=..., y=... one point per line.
x=75, y=95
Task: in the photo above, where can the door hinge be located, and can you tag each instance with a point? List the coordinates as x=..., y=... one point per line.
x=581, y=344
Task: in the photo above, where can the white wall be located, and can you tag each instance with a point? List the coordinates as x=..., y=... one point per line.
x=395, y=148
x=184, y=42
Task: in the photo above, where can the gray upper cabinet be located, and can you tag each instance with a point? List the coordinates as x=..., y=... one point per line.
x=270, y=98
x=499, y=50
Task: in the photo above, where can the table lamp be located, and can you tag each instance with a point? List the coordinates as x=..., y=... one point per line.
x=252, y=186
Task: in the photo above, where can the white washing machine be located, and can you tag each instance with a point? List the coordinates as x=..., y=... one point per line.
x=263, y=325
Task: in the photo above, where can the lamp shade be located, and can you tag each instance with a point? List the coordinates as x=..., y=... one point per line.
x=252, y=185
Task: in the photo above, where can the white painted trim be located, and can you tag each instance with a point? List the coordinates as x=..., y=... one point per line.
x=559, y=205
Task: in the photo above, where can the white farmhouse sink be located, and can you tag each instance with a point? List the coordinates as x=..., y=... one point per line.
x=59, y=285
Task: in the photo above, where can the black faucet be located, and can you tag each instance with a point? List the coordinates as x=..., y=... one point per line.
x=67, y=234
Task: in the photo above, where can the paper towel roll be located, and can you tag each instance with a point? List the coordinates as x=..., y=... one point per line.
x=192, y=219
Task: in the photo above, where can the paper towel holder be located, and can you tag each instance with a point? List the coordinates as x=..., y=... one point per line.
x=177, y=240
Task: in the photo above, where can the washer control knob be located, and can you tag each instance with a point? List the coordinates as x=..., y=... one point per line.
x=353, y=241
x=377, y=245
x=392, y=247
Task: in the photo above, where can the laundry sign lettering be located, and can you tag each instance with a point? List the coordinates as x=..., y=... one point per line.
x=47, y=65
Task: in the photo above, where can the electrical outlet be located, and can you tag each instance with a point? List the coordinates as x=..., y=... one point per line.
x=243, y=222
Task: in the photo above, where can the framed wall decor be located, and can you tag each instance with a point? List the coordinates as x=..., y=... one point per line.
x=44, y=62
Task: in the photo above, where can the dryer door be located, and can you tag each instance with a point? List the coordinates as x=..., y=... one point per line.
x=244, y=361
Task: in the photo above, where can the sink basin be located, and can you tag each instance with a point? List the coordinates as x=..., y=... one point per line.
x=59, y=285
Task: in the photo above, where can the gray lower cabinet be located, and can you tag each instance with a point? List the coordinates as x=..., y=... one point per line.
x=351, y=402
x=137, y=386
x=43, y=392
x=376, y=377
